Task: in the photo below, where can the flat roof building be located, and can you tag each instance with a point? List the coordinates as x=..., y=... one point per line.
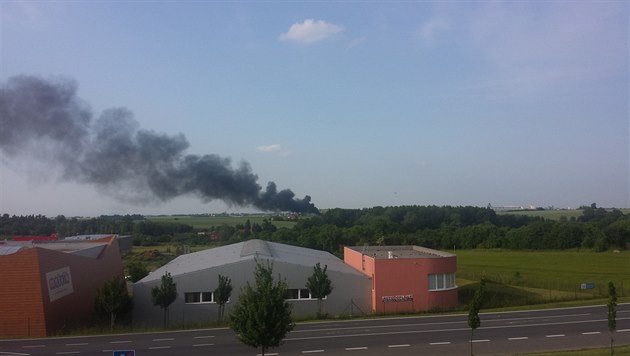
x=406, y=278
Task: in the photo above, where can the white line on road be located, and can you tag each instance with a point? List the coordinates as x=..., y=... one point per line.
x=356, y=348
x=440, y=343
x=518, y=338
x=165, y=339
x=556, y=335
x=201, y=345
x=401, y=345
x=203, y=337
x=159, y=347
x=78, y=344
x=120, y=342
x=312, y=351
x=623, y=330
x=13, y=353
x=481, y=340
x=273, y=354
x=592, y=333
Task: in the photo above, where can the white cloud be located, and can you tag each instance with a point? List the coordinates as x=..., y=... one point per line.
x=429, y=29
x=310, y=31
x=269, y=148
x=274, y=148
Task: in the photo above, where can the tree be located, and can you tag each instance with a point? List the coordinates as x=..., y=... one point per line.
x=164, y=295
x=612, y=313
x=222, y=294
x=262, y=317
x=319, y=285
x=473, y=311
x=137, y=271
x=113, y=299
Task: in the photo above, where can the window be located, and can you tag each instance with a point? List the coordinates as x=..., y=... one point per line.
x=199, y=297
x=299, y=294
x=441, y=281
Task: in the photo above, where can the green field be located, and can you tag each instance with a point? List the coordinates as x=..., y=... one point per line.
x=205, y=222
x=553, y=214
x=530, y=277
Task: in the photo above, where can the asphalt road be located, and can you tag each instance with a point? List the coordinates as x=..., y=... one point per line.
x=500, y=333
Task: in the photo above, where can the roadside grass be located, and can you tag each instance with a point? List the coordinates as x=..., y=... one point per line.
x=605, y=351
x=545, y=276
x=206, y=222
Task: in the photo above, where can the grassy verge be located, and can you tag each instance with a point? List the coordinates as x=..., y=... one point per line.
x=620, y=350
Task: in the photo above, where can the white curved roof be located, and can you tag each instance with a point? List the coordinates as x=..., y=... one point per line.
x=248, y=250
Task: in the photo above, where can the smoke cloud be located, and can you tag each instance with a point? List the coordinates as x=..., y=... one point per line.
x=44, y=119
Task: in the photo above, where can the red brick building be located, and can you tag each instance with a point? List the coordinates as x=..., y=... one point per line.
x=406, y=278
x=47, y=287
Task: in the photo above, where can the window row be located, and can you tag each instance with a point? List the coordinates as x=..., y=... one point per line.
x=199, y=297
x=441, y=281
x=208, y=297
x=299, y=294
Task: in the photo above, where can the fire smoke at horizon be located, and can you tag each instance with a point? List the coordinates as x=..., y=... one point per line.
x=45, y=120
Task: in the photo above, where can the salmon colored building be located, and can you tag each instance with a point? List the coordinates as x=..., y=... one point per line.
x=47, y=287
x=406, y=278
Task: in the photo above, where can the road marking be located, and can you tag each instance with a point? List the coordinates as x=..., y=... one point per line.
x=592, y=333
x=120, y=342
x=481, y=340
x=201, y=345
x=356, y=348
x=440, y=343
x=273, y=354
x=159, y=347
x=518, y=338
x=110, y=351
x=203, y=337
x=623, y=330
x=557, y=335
x=166, y=339
x=401, y=345
x=312, y=351
x=13, y=353
x=78, y=344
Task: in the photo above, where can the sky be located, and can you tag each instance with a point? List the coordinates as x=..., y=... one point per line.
x=353, y=103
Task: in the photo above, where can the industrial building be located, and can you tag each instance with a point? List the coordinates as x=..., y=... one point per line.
x=48, y=287
x=196, y=277
x=406, y=278
x=370, y=279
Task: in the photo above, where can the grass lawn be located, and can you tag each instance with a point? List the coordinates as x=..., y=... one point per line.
x=553, y=214
x=543, y=276
x=205, y=222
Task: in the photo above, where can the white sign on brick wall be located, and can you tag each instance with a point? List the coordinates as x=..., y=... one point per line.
x=59, y=283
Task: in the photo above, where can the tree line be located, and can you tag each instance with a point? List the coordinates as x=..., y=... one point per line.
x=439, y=227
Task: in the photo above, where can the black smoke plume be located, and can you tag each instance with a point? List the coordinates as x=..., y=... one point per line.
x=45, y=119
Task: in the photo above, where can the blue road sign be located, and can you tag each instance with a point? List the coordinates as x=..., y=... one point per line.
x=125, y=353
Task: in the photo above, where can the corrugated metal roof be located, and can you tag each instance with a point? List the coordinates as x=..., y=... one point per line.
x=248, y=250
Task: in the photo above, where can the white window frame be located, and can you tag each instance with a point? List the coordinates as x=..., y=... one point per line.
x=441, y=281
x=200, y=297
x=299, y=294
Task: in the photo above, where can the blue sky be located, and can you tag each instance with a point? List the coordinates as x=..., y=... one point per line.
x=356, y=104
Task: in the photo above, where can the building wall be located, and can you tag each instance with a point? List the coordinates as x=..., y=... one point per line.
x=411, y=279
x=26, y=309
x=350, y=293
x=21, y=306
